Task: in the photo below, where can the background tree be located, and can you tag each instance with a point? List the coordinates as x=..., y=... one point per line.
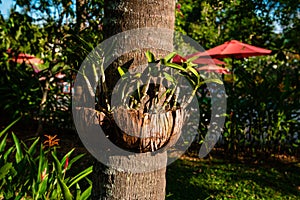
x=269, y=24
x=48, y=31
x=263, y=111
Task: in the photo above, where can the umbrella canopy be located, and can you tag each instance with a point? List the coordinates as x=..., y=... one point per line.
x=236, y=49
x=27, y=59
x=214, y=68
x=204, y=60
x=210, y=64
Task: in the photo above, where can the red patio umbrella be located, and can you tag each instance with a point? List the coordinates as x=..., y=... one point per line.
x=214, y=68
x=28, y=59
x=209, y=61
x=211, y=64
x=233, y=49
x=204, y=58
x=236, y=49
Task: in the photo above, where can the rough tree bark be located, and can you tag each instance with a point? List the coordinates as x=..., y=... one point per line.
x=122, y=15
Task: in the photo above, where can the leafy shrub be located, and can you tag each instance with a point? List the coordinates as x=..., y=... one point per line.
x=263, y=110
x=36, y=172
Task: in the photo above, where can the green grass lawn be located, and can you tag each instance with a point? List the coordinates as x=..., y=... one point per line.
x=216, y=179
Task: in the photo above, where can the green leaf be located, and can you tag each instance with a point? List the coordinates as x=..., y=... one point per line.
x=42, y=188
x=81, y=175
x=295, y=145
x=19, y=196
x=168, y=57
x=57, y=165
x=9, y=126
x=150, y=57
x=5, y=169
x=56, y=69
x=19, y=154
x=32, y=148
x=170, y=78
x=73, y=160
x=192, y=59
x=86, y=194
x=137, y=75
x=63, y=160
x=41, y=163
x=7, y=153
x=121, y=71
x=3, y=144
x=194, y=71
x=213, y=80
x=78, y=192
x=176, y=66
x=66, y=192
x=19, y=33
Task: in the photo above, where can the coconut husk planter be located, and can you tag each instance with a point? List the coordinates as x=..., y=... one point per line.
x=135, y=131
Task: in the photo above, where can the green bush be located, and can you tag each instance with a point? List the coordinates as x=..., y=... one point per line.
x=36, y=172
x=263, y=111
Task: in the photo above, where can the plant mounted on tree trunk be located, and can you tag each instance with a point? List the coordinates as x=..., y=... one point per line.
x=136, y=133
x=148, y=110
x=145, y=118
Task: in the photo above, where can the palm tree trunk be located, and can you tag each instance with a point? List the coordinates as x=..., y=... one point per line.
x=110, y=183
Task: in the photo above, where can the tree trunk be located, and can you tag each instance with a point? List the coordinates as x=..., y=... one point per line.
x=42, y=108
x=80, y=15
x=110, y=183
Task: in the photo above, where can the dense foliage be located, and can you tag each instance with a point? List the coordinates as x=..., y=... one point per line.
x=48, y=30
x=262, y=116
x=263, y=97
x=263, y=109
x=37, y=172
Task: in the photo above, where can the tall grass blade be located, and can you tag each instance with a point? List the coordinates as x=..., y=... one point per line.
x=19, y=154
x=32, y=148
x=66, y=192
x=81, y=175
x=3, y=144
x=86, y=194
x=9, y=126
x=57, y=165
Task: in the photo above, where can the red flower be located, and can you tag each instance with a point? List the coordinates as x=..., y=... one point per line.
x=66, y=163
x=178, y=6
x=44, y=174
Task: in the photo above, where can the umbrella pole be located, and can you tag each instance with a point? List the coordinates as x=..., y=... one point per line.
x=233, y=124
x=232, y=74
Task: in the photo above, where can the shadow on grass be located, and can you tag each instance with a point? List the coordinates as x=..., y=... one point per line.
x=179, y=175
x=218, y=179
